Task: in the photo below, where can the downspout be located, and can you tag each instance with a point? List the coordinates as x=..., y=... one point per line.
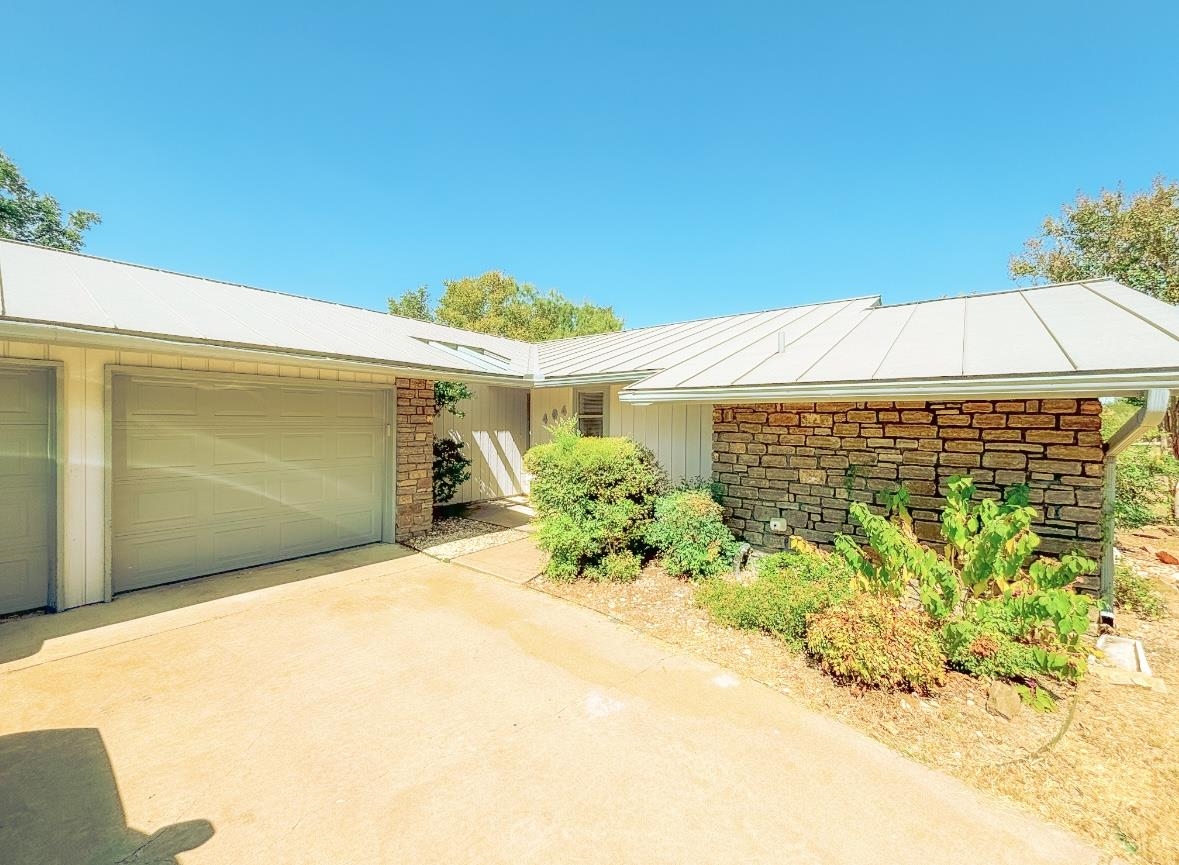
x=1151, y=414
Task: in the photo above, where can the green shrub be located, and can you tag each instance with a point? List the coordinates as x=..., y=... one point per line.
x=690, y=535
x=1137, y=592
x=986, y=644
x=623, y=567
x=1146, y=483
x=452, y=469
x=870, y=639
x=594, y=498
x=788, y=588
x=713, y=489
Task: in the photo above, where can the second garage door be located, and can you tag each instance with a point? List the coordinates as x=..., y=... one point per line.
x=212, y=474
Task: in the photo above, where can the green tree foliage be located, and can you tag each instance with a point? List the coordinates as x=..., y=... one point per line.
x=413, y=303
x=594, y=499
x=1133, y=238
x=36, y=217
x=497, y=304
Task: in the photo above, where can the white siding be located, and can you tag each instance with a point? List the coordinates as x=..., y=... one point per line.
x=495, y=430
x=549, y=404
x=81, y=435
x=680, y=434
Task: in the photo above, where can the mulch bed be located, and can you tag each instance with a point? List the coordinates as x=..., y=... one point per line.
x=1112, y=778
x=451, y=537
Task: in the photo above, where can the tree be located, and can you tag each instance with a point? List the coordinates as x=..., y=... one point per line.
x=413, y=303
x=37, y=218
x=496, y=303
x=1133, y=239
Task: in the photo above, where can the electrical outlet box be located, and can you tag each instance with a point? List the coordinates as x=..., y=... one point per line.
x=777, y=524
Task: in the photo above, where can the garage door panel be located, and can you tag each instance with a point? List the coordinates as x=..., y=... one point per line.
x=230, y=487
x=237, y=401
x=147, y=508
x=27, y=495
x=363, y=405
x=357, y=483
x=23, y=579
x=238, y=546
x=152, y=559
x=300, y=447
x=150, y=452
x=352, y=527
x=358, y=445
x=22, y=517
x=146, y=399
x=249, y=449
x=244, y=496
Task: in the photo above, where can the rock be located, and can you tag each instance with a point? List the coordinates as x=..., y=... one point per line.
x=1003, y=700
x=1167, y=558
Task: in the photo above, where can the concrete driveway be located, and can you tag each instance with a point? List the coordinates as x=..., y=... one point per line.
x=378, y=706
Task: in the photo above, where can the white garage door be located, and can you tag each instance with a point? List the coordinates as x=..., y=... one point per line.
x=212, y=474
x=26, y=489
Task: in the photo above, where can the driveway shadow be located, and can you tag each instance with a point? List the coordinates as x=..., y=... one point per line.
x=22, y=636
x=60, y=805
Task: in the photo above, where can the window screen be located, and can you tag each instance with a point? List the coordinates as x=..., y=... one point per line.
x=590, y=412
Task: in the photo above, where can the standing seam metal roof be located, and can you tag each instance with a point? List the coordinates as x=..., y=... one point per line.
x=1055, y=336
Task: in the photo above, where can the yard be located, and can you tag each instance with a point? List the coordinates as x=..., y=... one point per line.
x=1111, y=778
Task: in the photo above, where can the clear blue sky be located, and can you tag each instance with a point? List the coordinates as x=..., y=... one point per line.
x=674, y=159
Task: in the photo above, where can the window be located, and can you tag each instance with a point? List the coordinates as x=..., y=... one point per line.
x=591, y=412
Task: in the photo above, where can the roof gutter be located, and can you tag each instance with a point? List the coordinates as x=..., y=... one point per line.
x=982, y=387
x=83, y=338
x=1153, y=410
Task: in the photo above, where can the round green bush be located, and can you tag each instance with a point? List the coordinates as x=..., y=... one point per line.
x=871, y=640
x=594, y=499
x=789, y=588
x=690, y=535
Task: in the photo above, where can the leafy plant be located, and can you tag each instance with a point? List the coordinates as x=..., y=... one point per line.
x=999, y=609
x=594, y=498
x=621, y=567
x=789, y=588
x=1145, y=481
x=447, y=396
x=872, y=640
x=690, y=535
x=713, y=489
x=452, y=469
x=1137, y=592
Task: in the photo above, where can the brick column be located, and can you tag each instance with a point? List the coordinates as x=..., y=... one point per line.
x=415, y=456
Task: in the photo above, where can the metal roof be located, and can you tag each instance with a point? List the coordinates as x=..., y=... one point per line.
x=1093, y=336
x=635, y=353
x=48, y=286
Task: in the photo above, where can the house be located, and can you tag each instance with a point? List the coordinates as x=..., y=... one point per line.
x=156, y=426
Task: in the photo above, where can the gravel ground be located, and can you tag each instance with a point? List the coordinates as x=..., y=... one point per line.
x=1113, y=778
x=456, y=536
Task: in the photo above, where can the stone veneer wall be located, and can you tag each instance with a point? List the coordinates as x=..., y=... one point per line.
x=806, y=462
x=415, y=456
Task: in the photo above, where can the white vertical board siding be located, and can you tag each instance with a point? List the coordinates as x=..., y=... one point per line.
x=680, y=434
x=82, y=439
x=495, y=431
x=549, y=403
